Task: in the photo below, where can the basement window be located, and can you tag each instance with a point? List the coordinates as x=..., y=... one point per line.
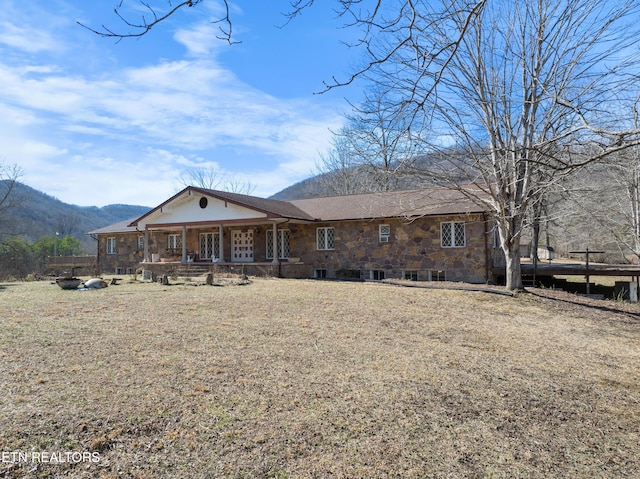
x=377, y=274
x=320, y=273
x=437, y=275
x=411, y=275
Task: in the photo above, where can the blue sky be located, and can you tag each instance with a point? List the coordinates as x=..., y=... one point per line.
x=95, y=122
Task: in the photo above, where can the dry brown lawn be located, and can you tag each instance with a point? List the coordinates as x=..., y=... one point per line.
x=312, y=379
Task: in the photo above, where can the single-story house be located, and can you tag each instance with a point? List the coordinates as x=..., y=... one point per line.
x=426, y=234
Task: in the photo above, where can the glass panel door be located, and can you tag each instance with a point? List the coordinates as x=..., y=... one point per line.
x=209, y=245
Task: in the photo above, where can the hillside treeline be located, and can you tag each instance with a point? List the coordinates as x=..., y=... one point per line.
x=34, y=225
x=20, y=258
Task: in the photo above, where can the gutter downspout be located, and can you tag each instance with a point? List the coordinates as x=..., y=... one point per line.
x=487, y=250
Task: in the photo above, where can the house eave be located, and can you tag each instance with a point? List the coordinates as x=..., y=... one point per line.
x=190, y=190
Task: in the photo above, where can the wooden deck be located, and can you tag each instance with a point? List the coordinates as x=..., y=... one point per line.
x=71, y=263
x=558, y=268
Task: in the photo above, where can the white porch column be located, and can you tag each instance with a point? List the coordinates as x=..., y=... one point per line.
x=184, y=244
x=145, y=248
x=275, y=243
x=220, y=245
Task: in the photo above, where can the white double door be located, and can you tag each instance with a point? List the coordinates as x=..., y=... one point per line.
x=242, y=246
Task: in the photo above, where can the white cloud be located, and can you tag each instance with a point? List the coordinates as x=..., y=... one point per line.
x=199, y=40
x=125, y=135
x=26, y=39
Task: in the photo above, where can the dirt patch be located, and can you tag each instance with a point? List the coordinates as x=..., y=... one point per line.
x=288, y=378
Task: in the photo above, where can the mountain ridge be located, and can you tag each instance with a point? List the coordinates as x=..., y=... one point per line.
x=34, y=214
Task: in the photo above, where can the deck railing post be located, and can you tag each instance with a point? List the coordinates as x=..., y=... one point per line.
x=586, y=269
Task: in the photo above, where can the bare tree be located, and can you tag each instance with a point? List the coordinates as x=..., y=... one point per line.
x=626, y=203
x=9, y=175
x=534, y=91
x=380, y=139
x=68, y=224
x=155, y=15
x=340, y=171
x=583, y=214
x=212, y=179
x=607, y=200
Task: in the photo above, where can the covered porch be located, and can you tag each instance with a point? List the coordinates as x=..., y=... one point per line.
x=251, y=247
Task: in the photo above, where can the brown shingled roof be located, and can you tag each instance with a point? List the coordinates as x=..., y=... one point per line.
x=120, y=227
x=411, y=203
x=391, y=204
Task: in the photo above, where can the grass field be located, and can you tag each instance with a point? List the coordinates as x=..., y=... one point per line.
x=312, y=379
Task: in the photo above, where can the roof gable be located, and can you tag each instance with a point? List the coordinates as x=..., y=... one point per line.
x=193, y=205
x=194, y=208
x=284, y=209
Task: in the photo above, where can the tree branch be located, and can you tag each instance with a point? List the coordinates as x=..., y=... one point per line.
x=144, y=26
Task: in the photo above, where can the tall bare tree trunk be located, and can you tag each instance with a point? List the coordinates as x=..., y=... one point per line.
x=513, y=273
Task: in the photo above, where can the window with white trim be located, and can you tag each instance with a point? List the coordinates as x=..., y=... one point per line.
x=325, y=238
x=284, y=245
x=453, y=234
x=111, y=245
x=140, y=242
x=174, y=242
x=384, y=233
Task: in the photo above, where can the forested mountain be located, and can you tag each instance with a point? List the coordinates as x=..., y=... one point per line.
x=361, y=179
x=309, y=188
x=35, y=214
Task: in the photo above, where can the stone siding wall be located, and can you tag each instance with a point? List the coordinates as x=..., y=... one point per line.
x=412, y=247
x=127, y=253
